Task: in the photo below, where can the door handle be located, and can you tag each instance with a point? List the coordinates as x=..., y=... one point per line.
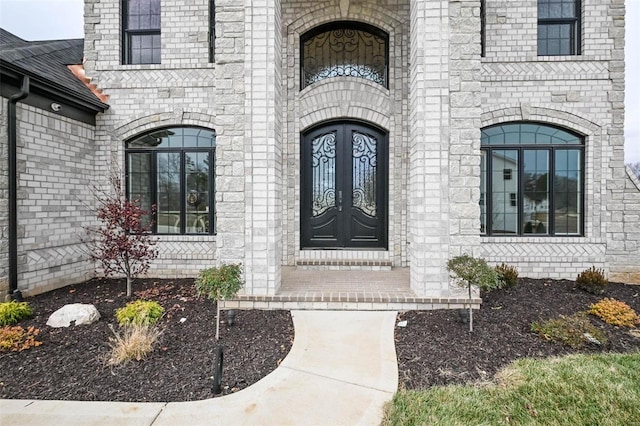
x=339, y=201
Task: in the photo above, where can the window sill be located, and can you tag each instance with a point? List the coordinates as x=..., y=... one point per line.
x=155, y=67
x=547, y=239
x=184, y=238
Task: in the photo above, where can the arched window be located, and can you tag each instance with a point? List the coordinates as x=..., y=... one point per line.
x=173, y=169
x=344, y=49
x=531, y=180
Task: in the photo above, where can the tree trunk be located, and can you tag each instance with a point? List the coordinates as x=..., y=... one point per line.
x=217, y=320
x=470, y=311
x=128, y=286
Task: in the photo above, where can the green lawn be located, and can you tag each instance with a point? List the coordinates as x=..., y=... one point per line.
x=593, y=390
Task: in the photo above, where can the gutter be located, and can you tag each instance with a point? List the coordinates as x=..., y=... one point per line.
x=13, y=188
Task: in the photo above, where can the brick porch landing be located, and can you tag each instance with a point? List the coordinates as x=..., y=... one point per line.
x=304, y=289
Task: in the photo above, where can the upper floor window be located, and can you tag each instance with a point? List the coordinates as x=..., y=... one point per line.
x=558, y=27
x=531, y=180
x=141, y=31
x=212, y=30
x=345, y=49
x=173, y=169
x=483, y=28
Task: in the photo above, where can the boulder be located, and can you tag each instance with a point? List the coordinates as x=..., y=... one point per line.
x=78, y=312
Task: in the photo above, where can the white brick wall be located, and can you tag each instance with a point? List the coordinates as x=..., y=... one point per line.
x=441, y=93
x=55, y=169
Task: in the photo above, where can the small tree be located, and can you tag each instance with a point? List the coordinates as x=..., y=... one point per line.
x=219, y=283
x=122, y=243
x=471, y=271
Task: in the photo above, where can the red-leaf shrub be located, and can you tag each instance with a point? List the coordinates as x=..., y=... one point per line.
x=122, y=243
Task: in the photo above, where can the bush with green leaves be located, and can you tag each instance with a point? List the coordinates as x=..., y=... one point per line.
x=469, y=271
x=219, y=283
x=508, y=275
x=139, y=312
x=12, y=312
x=592, y=280
x=575, y=330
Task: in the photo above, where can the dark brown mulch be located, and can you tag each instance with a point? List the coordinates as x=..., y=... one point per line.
x=70, y=365
x=435, y=348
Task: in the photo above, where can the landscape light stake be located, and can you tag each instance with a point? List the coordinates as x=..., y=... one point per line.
x=218, y=360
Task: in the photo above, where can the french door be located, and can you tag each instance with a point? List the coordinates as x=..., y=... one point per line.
x=344, y=187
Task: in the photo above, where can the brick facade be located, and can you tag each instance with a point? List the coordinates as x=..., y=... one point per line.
x=55, y=162
x=441, y=93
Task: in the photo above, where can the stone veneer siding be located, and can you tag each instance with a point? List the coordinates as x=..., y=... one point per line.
x=584, y=93
x=441, y=93
x=55, y=169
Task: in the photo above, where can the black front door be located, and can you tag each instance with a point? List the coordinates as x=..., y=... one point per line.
x=344, y=187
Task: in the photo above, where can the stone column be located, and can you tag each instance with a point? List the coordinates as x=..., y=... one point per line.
x=230, y=122
x=263, y=145
x=443, y=139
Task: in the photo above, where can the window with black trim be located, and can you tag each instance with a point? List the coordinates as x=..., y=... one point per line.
x=212, y=31
x=544, y=192
x=344, y=49
x=483, y=29
x=141, y=31
x=173, y=169
x=558, y=27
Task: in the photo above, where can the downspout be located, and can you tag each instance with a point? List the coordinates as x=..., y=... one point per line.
x=13, y=189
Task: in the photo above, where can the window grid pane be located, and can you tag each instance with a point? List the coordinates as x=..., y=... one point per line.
x=535, y=210
x=558, y=27
x=173, y=168
x=142, y=32
x=483, y=192
x=197, y=193
x=568, y=192
x=168, y=197
x=504, y=217
x=545, y=192
x=139, y=181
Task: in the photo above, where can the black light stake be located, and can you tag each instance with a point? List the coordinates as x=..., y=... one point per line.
x=217, y=365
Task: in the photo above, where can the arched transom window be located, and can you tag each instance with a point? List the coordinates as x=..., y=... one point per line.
x=173, y=169
x=344, y=49
x=531, y=181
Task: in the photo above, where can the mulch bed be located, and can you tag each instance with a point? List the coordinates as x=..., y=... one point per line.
x=436, y=348
x=70, y=363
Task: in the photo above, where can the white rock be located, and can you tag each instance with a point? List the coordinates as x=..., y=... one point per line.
x=402, y=324
x=78, y=312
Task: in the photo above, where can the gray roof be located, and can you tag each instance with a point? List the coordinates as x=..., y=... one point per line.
x=47, y=62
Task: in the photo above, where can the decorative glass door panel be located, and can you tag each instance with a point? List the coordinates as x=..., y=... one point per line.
x=344, y=187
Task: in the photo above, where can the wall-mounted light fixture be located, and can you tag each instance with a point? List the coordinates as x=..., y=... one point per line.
x=56, y=107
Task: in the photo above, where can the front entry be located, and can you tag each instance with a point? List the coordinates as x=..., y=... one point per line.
x=344, y=187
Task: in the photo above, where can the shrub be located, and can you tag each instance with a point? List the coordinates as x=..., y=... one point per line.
x=12, y=312
x=471, y=271
x=122, y=243
x=615, y=312
x=592, y=280
x=575, y=330
x=18, y=339
x=133, y=342
x=139, y=312
x=508, y=275
x=219, y=283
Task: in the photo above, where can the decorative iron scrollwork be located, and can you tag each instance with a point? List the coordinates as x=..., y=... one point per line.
x=365, y=166
x=324, y=173
x=345, y=51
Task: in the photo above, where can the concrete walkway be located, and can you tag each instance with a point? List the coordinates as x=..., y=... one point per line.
x=341, y=370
